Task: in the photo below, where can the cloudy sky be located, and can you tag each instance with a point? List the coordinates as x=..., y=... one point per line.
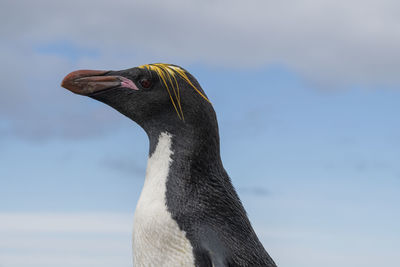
x=306, y=93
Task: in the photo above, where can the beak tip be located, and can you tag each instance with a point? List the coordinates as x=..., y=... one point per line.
x=68, y=80
x=63, y=84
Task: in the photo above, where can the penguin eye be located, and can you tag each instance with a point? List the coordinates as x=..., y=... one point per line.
x=145, y=83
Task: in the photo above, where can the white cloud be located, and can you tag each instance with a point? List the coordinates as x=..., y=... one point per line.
x=296, y=246
x=74, y=239
x=325, y=41
x=105, y=223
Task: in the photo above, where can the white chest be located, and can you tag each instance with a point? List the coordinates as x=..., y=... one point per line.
x=157, y=239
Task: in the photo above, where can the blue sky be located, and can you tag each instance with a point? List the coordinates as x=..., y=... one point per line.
x=307, y=99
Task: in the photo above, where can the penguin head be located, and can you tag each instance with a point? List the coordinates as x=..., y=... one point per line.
x=156, y=96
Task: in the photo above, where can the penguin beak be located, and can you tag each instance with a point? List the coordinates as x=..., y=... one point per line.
x=87, y=82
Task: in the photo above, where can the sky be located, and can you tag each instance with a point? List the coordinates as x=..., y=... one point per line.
x=306, y=93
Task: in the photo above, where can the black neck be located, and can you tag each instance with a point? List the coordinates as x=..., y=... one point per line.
x=197, y=135
x=189, y=142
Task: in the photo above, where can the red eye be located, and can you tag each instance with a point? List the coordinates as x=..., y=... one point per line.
x=145, y=83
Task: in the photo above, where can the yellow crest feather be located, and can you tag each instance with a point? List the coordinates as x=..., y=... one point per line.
x=167, y=74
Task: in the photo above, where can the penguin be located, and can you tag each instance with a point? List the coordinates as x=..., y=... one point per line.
x=188, y=212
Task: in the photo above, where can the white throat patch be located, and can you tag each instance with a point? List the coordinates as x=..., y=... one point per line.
x=157, y=239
